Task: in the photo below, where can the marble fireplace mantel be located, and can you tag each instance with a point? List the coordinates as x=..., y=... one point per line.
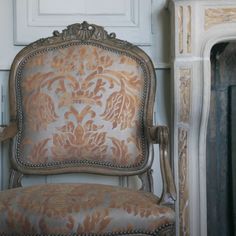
x=197, y=25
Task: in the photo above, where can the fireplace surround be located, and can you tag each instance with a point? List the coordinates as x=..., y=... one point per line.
x=220, y=156
x=197, y=25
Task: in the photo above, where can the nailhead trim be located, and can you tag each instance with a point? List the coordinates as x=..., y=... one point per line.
x=20, y=114
x=157, y=232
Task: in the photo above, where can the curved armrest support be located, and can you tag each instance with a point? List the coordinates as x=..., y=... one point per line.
x=160, y=135
x=8, y=131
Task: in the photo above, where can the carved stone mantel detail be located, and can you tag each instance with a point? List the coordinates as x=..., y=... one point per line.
x=185, y=74
x=216, y=16
x=184, y=34
x=180, y=28
x=183, y=182
x=197, y=25
x=184, y=93
x=189, y=29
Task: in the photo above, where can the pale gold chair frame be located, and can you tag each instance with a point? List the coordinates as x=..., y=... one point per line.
x=155, y=134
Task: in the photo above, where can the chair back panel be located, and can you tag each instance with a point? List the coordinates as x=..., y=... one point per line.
x=81, y=106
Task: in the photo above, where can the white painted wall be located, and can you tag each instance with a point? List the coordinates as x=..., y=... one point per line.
x=151, y=32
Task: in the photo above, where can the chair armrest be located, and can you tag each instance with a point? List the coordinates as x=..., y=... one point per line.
x=160, y=135
x=8, y=131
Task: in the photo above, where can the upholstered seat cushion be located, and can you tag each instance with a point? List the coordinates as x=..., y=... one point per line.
x=82, y=208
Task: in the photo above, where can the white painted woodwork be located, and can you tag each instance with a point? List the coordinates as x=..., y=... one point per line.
x=156, y=22
x=83, y=7
x=130, y=19
x=7, y=48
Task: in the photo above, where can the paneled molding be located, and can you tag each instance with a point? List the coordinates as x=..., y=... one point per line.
x=197, y=25
x=112, y=13
x=144, y=23
x=130, y=19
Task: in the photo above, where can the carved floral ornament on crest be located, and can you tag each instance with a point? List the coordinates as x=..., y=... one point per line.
x=83, y=31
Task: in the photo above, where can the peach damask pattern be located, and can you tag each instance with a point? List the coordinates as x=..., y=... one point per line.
x=80, y=103
x=80, y=208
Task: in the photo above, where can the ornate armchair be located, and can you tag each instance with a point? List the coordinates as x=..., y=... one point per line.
x=82, y=101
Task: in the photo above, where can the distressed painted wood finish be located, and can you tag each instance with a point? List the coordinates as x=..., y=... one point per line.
x=217, y=16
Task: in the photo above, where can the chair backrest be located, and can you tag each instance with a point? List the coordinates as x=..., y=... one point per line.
x=83, y=102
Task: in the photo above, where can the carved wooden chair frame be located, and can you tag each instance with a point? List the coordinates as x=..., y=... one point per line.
x=92, y=34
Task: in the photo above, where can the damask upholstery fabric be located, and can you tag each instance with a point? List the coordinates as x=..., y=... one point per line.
x=80, y=208
x=81, y=104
